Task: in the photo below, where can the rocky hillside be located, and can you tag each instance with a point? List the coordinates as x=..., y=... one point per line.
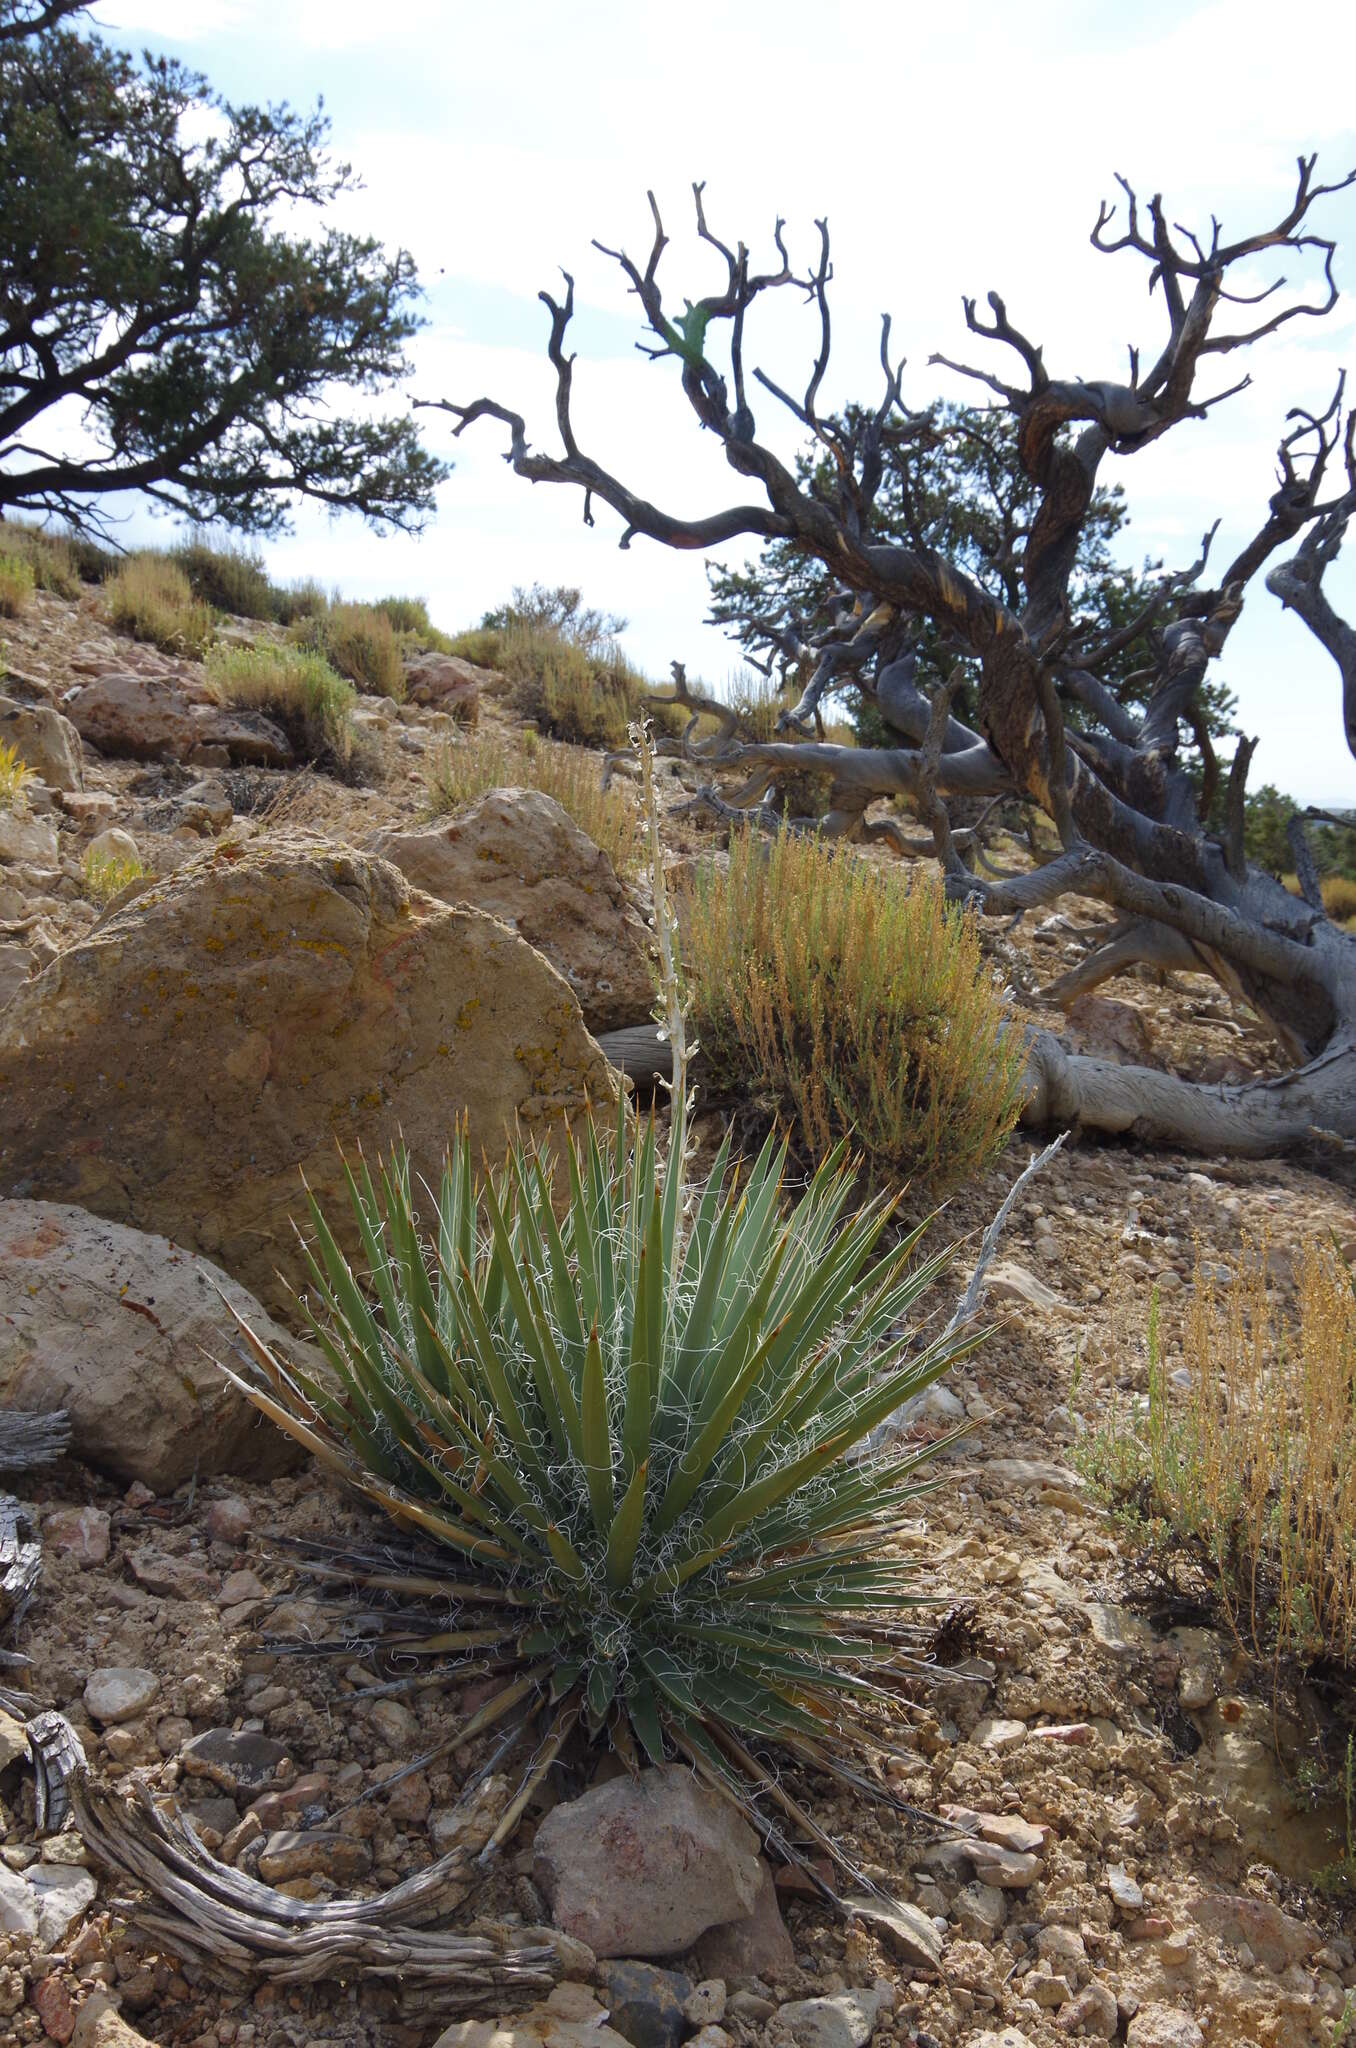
x=1102, y=1833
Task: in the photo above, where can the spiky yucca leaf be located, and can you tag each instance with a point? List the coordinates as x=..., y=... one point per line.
x=632, y=1429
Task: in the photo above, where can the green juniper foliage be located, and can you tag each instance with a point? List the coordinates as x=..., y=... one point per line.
x=631, y=1430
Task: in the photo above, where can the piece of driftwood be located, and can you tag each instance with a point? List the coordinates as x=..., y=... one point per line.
x=240, y=1930
x=27, y=1440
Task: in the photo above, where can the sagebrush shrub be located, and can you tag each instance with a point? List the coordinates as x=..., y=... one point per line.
x=17, y=584
x=298, y=689
x=150, y=598
x=464, y=770
x=231, y=579
x=361, y=643
x=856, y=1003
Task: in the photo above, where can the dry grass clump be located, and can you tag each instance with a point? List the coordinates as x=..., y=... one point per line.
x=151, y=598
x=50, y=556
x=857, y=1003
x=107, y=874
x=463, y=771
x=1339, y=897
x=15, y=776
x=1251, y=1465
x=299, y=690
x=230, y=579
x=16, y=585
x=360, y=642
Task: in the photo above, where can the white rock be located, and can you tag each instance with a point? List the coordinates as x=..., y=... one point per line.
x=63, y=1894
x=26, y=838
x=847, y=2020
x=113, y=844
x=119, y=1692
x=18, y=1903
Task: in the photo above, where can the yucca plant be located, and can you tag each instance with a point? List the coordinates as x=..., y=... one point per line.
x=629, y=1422
x=629, y=1430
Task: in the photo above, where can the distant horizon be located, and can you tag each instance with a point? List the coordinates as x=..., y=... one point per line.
x=475, y=159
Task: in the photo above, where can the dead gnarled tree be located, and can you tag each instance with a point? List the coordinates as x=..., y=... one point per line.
x=1049, y=730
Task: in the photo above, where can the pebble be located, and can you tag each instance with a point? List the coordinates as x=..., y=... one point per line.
x=1163, y=2026
x=1123, y=1889
x=119, y=1692
x=996, y=1733
x=82, y=1533
x=229, y=1520
x=246, y=1762
x=313, y=1852
x=846, y=2020
x=705, y=2003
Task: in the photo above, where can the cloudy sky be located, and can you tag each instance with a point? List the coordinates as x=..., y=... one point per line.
x=953, y=149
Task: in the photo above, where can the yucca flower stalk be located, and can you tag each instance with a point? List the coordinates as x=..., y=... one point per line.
x=621, y=1415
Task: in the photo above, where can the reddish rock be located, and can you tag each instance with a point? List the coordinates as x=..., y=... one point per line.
x=229, y=1520
x=52, y=2003
x=81, y=1532
x=643, y=1866
x=756, y=1946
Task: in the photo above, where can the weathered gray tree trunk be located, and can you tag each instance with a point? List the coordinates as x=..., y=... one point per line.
x=1132, y=827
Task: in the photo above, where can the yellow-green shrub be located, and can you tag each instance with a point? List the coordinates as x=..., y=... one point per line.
x=16, y=585
x=463, y=771
x=106, y=874
x=15, y=776
x=231, y=579
x=1250, y=1466
x=50, y=556
x=150, y=597
x=1339, y=897
x=297, y=688
x=361, y=643
x=857, y=1003
x=589, y=699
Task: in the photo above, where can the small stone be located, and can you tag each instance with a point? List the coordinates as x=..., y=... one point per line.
x=82, y=1533
x=846, y=2020
x=52, y=2003
x=239, y=1586
x=119, y=1692
x=313, y=1852
x=13, y=1740
x=750, y=2006
x=18, y=1903
x=645, y=2004
x=1275, y=1937
x=394, y=1723
x=705, y=2003
x=1123, y=1889
x=173, y=1578
x=243, y=1763
x=1073, y=1734
x=1093, y=2012
x=1195, y=1687
x=1003, y=1867
x=711, y=2037
x=1118, y=1630
x=229, y=1520
x=907, y=1930
x=247, y=1830
x=981, y=1911
x=995, y=1733
x=1163, y=2026
x=63, y=1895
x=574, y=2002
x=1047, y=1989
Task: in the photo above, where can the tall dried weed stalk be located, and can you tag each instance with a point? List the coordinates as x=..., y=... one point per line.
x=857, y=1002
x=1251, y=1463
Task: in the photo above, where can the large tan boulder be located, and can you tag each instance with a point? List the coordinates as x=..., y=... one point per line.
x=121, y=1328
x=239, y=1021
x=154, y=718
x=45, y=741
x=519, y=856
